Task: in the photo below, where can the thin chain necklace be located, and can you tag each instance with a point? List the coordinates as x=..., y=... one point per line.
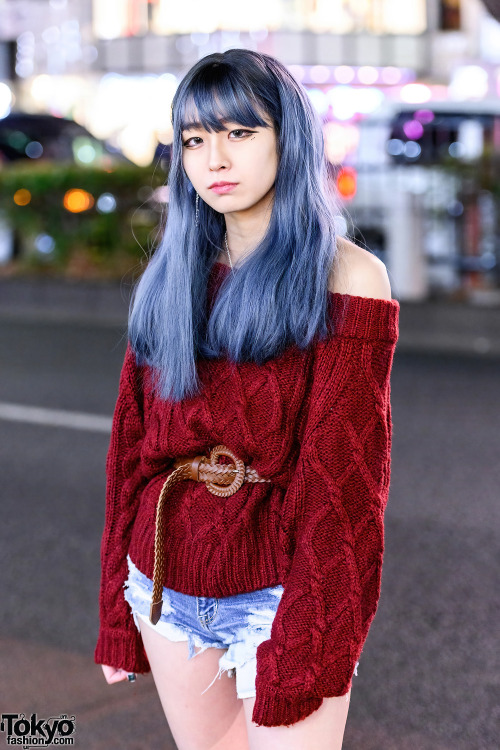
x=227, y=250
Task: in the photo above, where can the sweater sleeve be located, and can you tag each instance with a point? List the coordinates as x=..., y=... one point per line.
x=119, y=643
x=332, y=519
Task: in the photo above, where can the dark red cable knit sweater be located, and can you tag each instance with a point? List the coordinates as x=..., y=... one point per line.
x=318, y=424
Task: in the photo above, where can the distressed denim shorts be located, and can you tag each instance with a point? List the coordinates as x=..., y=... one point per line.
x=237, y=623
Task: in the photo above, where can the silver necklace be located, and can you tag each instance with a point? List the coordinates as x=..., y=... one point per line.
x=227, y=249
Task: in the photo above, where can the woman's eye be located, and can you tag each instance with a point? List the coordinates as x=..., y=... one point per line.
x=236, y=135
x=192, y=141
x=241, y=133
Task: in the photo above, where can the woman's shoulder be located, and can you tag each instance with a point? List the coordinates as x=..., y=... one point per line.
x=358, y=272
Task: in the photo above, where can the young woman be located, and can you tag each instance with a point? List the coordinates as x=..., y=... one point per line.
x=249, y=463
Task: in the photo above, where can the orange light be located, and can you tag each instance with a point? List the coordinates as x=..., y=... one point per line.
x=22, y=197
x=77, y=200
x=347, y=182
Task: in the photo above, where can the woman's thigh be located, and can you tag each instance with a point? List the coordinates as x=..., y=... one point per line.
x=212, y=721
x=321, y=730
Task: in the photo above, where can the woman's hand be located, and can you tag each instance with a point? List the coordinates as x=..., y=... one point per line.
x=112, y=674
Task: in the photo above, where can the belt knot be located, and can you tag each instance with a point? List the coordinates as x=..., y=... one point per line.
x=222, y=480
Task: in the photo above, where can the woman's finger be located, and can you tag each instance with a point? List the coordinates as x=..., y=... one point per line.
x=113, y=675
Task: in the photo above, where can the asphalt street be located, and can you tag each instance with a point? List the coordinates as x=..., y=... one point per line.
x=429, y=674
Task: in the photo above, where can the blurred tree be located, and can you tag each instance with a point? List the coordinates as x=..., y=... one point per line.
x=81, y=220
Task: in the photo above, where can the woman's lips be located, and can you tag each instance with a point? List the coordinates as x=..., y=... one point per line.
x=225, y=187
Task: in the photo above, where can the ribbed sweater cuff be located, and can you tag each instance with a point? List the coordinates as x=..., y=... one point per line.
x=272, y=709
x=121, y=649
x=365, y=317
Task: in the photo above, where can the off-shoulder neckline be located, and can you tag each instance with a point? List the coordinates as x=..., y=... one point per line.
x=391, y=301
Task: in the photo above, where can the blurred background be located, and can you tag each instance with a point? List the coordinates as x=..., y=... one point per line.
x=408, y=94
x=409, y=97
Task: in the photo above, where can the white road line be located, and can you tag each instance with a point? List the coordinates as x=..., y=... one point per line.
x=55, y=417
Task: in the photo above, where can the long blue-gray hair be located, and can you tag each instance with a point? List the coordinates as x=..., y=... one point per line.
x=278, y=294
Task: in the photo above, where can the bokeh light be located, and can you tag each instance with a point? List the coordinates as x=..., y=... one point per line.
x=413, y=129
x=455, y=208
x=85, y=152
x=347, y=182
x=424, y=115
x=297, y=71
x=25, y=54
x=391, y=75
x=415, y=93
x=468, y=82
x=319, y=73
x=343, y=100
x=340, y=141
x=34, y=150
x=367, y=74
x=106, y=203
x=412, y=150
x=368, y=100
x=44, y=243
x=200, y=38
x=77, y=200
x=161, y=194
x=344, y=74
x=395, y=147
x=22, y=197
x=456, y=149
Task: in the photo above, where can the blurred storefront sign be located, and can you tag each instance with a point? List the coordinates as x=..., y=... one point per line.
x=116, y=18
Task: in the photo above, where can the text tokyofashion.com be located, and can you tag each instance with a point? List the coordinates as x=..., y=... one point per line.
x=26, y=732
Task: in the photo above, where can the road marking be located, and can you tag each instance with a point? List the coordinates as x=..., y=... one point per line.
x=55, y=417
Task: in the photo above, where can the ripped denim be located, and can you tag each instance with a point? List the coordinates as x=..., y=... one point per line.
x=237, y=623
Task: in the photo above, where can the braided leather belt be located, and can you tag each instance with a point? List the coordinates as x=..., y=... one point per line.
x=221, y=479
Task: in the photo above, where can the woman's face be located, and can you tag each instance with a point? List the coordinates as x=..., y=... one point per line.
x=234, y=170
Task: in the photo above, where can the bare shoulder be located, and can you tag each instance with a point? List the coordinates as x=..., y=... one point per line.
x=358, y=272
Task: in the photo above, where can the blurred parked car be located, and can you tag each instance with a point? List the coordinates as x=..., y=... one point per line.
x=36, y=136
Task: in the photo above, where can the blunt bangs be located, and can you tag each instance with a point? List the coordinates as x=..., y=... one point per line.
x=215, y=97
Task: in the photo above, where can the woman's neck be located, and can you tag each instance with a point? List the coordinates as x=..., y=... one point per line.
x=246, y=229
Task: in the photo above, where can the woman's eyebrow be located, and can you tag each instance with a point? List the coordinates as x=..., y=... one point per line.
x=192, y=126
x=196, y=125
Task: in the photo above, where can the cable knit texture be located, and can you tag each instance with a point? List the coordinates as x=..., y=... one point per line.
x=318, y=424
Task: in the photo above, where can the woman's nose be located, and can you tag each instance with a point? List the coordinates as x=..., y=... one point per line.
x=217, y=157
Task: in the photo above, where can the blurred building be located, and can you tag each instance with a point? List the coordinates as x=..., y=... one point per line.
x=428, y=67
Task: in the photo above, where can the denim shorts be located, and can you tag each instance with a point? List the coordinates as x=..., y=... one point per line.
x=237, y=623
